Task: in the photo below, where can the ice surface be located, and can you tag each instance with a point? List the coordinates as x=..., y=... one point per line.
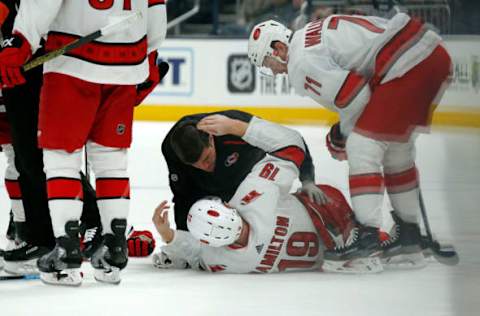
x=449, y=163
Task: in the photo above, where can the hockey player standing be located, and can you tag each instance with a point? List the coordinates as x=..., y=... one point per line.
x=32, y=227
x=87, y=98
x=382, y=77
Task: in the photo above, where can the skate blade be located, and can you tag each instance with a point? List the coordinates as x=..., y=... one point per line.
x=67, y=277
x=21, y=267
x=367, y=265
x=110, y=275
x=405, y=262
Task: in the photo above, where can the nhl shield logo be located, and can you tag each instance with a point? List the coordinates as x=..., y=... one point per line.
x=241, y=74
x=121, y=129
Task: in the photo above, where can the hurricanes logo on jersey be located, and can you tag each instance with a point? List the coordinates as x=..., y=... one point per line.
x=233, y=158
x=251, y=196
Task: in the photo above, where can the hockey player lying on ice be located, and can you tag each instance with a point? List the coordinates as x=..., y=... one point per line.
x=264, y=228
x=269, y=230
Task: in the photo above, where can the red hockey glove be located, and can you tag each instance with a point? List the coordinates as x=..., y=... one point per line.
x=14, y=53
x=140, y=243
x=156, y=74
x=336, y=143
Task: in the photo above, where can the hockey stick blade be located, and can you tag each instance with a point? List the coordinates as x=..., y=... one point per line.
x=19, y=277
x=116, y=26
x=445, y=254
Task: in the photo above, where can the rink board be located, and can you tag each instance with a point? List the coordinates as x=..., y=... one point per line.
x=209, y=75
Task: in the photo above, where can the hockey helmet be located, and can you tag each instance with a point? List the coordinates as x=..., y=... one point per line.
x=261, y=38
x=213, y=222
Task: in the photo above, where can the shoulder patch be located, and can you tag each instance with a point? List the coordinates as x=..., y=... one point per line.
x=251, y=196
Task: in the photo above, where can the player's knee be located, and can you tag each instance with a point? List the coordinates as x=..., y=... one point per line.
x=107, y=161
x=60, y=163
x=10, y=171
x=364, y=154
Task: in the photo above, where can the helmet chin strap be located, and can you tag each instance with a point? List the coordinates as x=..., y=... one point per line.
x=267, y=72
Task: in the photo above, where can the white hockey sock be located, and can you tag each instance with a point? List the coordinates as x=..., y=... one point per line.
x=64, y=188
x=12, y=184
x=402, y=188
x=112, y=182
x=367, y=191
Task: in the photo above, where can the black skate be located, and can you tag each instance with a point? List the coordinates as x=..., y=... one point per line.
x=21, y=256
x=11, y=228
x=1, y=259
x=359, y=254
x=112, y=256
x=61, y=266
x=403, y=248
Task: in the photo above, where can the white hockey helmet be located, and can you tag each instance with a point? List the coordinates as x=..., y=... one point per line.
x=214, y=223
x=261, y=38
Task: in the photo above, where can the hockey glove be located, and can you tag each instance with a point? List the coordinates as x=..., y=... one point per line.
x=140, y=243
x=336, y=143
x=14, y=53
x=162, y=261
x=314, y=193
x=156, y=74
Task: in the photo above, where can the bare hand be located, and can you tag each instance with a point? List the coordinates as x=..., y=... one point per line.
x=219, y=125
x=160, y=220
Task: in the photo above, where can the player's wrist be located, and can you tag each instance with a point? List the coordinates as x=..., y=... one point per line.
x=167, y=235
x=238, y=128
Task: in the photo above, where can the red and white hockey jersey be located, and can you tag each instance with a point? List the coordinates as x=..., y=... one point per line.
x=333, y=60
x=281, y=233
x=118, y=58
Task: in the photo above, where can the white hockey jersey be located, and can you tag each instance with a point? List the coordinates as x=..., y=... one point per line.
x=332, y=60
x=281, y=233
x=119, y=58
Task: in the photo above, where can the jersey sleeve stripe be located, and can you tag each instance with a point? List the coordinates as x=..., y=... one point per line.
x=349, y=90
x=292, y=153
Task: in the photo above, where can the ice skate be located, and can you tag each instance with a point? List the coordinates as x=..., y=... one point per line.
x=21, y=256
x=61, y=266
x=403, y=249
x=1, y=259
x=360, y=254
x=112, y=256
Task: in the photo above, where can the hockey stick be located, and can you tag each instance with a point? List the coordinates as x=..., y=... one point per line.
x=19, y=277
x=445, y=254
x=106, y=30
